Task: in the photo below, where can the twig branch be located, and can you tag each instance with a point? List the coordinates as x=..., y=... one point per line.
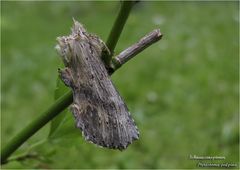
x=57, y=108
x=133, y=50
x=64, y=101
x=117, y=29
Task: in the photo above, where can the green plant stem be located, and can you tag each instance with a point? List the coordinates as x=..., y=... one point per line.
x=64, y=101
x=117, y=29
x=35, y=125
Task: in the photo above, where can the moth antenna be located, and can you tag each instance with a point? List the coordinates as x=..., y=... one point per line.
x=74, y=20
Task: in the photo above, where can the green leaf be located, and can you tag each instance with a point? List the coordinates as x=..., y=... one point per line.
x=14, y=165
x=58, y=121
x=64, y=124
x=66, y=129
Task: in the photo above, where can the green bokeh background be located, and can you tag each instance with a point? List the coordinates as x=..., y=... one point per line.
x=182, y=91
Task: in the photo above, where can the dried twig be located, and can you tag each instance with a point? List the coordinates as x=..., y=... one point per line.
x=132, y=51
x=67, y=98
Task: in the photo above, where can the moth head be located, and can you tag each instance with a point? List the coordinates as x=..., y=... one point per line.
x=64, y=49
x=78, y=31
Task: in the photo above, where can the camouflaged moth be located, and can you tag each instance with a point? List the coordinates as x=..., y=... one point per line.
x=99, y=110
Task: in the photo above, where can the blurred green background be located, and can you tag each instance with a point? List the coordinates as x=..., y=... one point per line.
x=182, y=91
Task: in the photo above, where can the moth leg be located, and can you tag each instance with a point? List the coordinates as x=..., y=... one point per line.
x=105, y=49
x=99, y=44
x=66, y=76
x=76, y=111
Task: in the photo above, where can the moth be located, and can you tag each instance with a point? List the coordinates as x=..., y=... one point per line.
x=98, y=109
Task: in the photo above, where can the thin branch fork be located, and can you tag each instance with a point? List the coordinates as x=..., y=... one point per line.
x=133, y=50
x=66, y=99
x=118, y=28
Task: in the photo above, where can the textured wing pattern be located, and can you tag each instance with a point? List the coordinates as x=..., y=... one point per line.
x=99, y=110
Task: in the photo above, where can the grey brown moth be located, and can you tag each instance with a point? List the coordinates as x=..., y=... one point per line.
x=99, y=110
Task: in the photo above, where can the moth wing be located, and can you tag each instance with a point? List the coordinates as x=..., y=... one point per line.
x=99, y=110
x=106, y=123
